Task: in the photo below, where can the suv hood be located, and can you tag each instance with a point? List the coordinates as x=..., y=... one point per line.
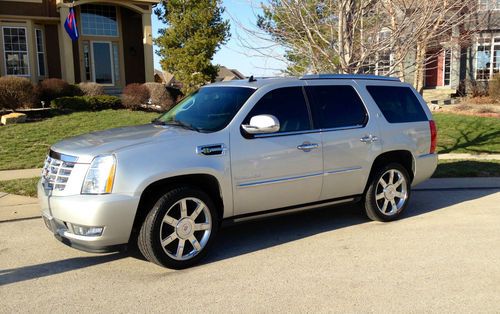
x=87, y=146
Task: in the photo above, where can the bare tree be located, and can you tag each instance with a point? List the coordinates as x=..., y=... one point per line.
x=359, y=36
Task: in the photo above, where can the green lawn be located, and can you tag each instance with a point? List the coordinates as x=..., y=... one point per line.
x=467, y=134
x=24, y=146
x=467, y=168
x=26, y=187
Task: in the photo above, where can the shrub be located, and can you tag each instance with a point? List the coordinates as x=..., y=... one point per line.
x=87, y=103
x=494, y=87
x=161, y=96
x=53, y=88
x=134, y=95
x=16, y=92
x=475, y=88
x=480, y=100
x=91, y=89
x=463, y=107
x=486, y=109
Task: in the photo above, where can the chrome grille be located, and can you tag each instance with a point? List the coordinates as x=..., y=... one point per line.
x=56, y=173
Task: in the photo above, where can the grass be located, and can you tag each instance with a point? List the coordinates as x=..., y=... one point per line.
x=25, y=187
x=467, y=168
x=24, y=146
x=467, y=134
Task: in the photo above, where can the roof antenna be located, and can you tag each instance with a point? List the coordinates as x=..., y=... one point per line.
x=251, y=79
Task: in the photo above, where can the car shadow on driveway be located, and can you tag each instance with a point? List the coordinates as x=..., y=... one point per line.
x=253, y=236
x=248, y=237
x=9, y=276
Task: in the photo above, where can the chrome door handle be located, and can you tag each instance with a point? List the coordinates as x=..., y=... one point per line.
x=307, y=147
x=369, y=139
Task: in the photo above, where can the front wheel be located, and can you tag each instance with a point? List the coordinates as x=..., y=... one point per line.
x=179, y=229
x=388, y=194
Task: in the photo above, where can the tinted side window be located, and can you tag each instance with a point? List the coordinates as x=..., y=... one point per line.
x=288, y=105
x=336, y=106
x=398, y=104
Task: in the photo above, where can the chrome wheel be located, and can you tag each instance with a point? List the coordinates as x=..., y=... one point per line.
x=185, y=229
x=391, y=192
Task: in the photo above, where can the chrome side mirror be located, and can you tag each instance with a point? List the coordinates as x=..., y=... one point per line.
x=262, y=124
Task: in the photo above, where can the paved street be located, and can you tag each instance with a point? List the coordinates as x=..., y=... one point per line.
x=442, y=257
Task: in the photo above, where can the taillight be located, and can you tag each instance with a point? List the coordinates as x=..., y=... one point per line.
x=432, y=126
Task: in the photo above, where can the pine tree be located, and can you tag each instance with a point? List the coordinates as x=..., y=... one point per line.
x=194, y=32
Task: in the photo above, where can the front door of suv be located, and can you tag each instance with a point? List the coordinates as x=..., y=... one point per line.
x=350, y=138
x=274, y=171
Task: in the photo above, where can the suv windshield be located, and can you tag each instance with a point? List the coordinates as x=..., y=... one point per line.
x=209, y=109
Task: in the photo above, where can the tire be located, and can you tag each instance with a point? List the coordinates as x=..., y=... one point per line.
x=387, y=204
x=173, y=235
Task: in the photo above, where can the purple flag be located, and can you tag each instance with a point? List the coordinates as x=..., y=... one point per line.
x=70, y=25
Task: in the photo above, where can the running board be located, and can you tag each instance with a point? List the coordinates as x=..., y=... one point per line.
x=290, y=209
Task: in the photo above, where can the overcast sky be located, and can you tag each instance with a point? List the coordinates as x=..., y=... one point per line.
x=241, y=14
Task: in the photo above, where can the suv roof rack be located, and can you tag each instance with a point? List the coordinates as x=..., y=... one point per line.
x=348, y=77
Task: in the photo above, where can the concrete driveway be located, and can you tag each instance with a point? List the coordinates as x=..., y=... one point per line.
x=444, y=256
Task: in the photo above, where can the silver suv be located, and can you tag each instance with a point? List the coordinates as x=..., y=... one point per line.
x=237, y=150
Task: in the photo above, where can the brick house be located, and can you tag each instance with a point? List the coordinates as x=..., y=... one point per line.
x=114, y=48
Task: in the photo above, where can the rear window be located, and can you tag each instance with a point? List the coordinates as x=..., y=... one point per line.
x=398, y=104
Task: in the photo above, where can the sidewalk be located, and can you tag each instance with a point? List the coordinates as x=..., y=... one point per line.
x=14, y=207
x=19, y=174
x=469, y=157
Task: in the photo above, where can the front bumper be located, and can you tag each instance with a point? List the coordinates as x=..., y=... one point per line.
x=114, y=212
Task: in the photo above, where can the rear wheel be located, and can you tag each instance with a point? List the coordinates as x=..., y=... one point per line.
x=388, y=193
x=179, y=229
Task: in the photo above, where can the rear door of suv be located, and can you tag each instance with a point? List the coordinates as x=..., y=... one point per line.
x=350, y=136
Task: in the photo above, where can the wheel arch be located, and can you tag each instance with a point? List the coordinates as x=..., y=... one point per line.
x=205, y=182
x=403, y=157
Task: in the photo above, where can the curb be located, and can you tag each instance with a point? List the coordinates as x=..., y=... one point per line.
x=437, y=184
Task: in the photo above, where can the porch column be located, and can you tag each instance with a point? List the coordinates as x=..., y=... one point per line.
x=33, y=60
x=66, y=48
x=148, y=47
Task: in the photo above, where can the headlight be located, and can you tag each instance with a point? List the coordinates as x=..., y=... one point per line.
x=100, y=176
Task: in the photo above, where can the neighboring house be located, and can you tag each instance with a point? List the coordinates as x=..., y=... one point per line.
x=224, y=74
x=469, y=56
x=114, y=48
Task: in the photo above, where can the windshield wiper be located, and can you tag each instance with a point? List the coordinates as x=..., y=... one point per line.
x=182, y=124
x=157, y=121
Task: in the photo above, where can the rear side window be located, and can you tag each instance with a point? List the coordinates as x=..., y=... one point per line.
x=336, y=106
x=398, y=104
x=288, y=105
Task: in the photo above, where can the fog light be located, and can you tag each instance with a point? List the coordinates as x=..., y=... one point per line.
x=87, y=231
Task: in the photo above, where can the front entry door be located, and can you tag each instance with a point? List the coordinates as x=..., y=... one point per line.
x=282, y=169
x=102, y=62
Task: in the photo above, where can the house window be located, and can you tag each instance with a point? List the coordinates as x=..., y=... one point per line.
x=99, y=20
x=447, y=67
x=116, y=62
x=40, y=52
x=487, y=58
x=16, y=51
x=483, y=62
x=487, y=5
x=86, y=60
